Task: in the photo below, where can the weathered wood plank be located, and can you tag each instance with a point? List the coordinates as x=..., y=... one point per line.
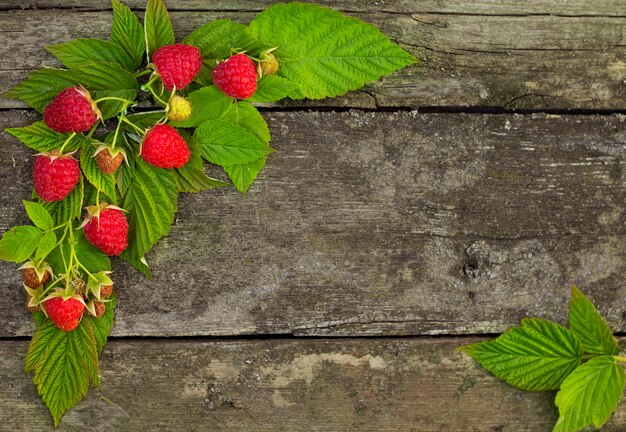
x=525, y=57
x=380, y=223
x=305, y=385
x=483, y=7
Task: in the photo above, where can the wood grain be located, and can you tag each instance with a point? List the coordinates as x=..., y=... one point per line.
x=362, y=385
x=533, y=55
x=380, y=223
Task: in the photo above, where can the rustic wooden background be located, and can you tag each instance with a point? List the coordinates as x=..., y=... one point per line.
x=429, y=210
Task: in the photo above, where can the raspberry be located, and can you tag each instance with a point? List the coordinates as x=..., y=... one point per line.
x=65, y=314
x=72, y=110
x=236, y=76
x=54, y=177
x=269, y=64
x=108, y=164
x=163, y=147
x=100, y=308
x=106, y=291
x=180, y=109
x=177, y=65
x=31, y=280
x=107, y=229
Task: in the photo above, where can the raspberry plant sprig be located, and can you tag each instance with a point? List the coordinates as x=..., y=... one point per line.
x=581, y=362
x=107, y=175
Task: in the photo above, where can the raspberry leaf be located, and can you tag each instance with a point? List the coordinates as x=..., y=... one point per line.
x=208, y=103
x=39, y=215
x=191, y=177
x=151, y=202
x=224, y=143
x=46, y=245
x=127, y=32
x=246, y=115
x=102, y=326
x=272, y=88
x=41, y=138
x=19, y=243
x=157, y=26
x=82, y=51
x=64, y=363
x=105, y=183
x=589, y=327
x=324, y=52
x=539, y=355
x=590, y=394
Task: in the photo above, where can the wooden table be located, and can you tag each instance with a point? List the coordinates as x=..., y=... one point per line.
x=432, y=209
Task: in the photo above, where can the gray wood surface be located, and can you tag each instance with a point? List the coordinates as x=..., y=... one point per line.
x=491, y=54
x=380, y=223
x=422, y=385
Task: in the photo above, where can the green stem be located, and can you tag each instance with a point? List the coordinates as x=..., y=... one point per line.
x=98, y=198
x=620, y=359
x=91, y=132
x=69, y=138
x=128, y=102
x=142, y=73
x=137, y=128
x=119, y=123
x=158, y=99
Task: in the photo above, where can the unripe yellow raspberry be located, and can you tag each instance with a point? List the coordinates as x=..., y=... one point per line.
x=180, y=109
x=269, y=64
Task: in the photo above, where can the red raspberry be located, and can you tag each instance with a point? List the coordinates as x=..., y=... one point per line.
x=72, y=110
x=163, y=147
x=177, y=64
x=65, y=314
x=236, y=76
x=107, y=230
x=54, y=177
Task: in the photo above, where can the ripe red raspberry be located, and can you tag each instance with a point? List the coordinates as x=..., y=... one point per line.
x=107, y=229
x=177, y=65
x=65, y=314
x=236, y=76
x=31, y=280
x=163, y=147
x=54, y=177
x=72, y=110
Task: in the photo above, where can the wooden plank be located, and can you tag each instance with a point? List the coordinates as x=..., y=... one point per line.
x=380, y=223
x=303, y=385
x=521, y=57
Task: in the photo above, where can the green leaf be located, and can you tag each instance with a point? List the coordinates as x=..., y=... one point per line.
x=208, y=103
x=272, y=88
x=539, y=355
x=63, y=366
x=157, y=26
x=224, y=143
x=41, y=138
x=101, y=79
x=127, y=32
x=82, y=51
x=191, y=177
x=39, y=215
x=70, y=208
x=590, y=394
x=105, y=183
x=248, y=117
x=215, y=40
x=102, y=326
x=243, y=175
x=589, y=327
x=325, y=53
x=151, y=204
x=19, y=243
x=44, y=333
x=46, y=245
